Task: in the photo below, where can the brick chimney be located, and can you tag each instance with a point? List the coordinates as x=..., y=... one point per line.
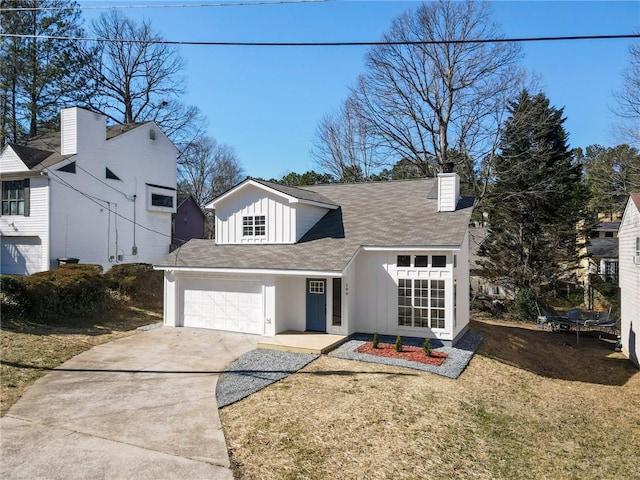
x=448, y=189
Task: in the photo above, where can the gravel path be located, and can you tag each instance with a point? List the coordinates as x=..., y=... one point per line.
x=255, y=370
x=457, y=360
x=259, y=368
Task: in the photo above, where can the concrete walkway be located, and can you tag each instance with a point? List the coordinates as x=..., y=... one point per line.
x=141, y=407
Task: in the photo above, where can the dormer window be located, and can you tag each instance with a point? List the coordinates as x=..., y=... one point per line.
x=254, y=226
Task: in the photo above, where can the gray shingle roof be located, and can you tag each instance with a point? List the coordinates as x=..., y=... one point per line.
x=391, y=214
x=605, y=247
x=44, y=150
x=297, y=192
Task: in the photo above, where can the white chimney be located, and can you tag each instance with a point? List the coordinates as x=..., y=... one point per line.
x=448, y=189
x=80, y=128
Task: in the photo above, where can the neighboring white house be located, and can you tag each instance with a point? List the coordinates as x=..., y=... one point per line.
x=629, y=258
x=103, y=195
x=386, y=257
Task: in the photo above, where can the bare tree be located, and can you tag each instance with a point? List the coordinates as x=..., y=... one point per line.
x=344, y=145
x=628, y=99
x=136, y=78
x=208, y=169
x=424, y=101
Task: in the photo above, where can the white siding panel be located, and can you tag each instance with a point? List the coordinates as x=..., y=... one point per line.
x=290, y=304
x=68, y=130
x=36, y=225
x=629, y=282
x=376, y=293
x=11, y=163
x=250, y=201
x=306, y=217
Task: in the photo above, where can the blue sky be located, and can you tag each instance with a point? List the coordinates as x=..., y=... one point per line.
x=267, y=101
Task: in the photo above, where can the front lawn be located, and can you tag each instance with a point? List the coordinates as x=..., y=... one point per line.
x=529, y=405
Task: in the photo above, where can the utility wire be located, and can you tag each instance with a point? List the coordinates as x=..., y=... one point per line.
x=181, y=5
x=321, y=44
x=104, y=183
x=97, y=202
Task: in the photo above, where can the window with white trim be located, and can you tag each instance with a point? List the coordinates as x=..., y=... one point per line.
x=161, y=199
x=421, y=303
x=254, y=226
x=316, y=286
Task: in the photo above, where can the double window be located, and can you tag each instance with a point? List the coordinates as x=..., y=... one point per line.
x=15, y=197
x=254, y=226
x=421, y=303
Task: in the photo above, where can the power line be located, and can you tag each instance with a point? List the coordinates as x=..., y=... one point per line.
x=321, y=44
x=97, y=201
x=182, y=5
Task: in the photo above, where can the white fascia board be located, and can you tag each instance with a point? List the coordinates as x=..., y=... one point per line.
x=626, y=214
x=291, y=199
x=253, y=271
x=242, y=185
x=405, y=248
x=330, y=206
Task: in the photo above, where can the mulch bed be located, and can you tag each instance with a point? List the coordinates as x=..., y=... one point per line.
x=411, y=354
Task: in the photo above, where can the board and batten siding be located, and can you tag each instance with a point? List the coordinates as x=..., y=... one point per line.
x=280, y=217
x=375, y=293
x=629, y=282
x=37, y=223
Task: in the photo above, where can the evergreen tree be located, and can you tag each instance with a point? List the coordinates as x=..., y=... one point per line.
x=611, y=175
x=38, y=75
x=536, y=202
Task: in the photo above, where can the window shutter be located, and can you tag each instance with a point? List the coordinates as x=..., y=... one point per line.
x=27, y=196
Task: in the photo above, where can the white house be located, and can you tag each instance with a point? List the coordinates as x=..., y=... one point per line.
x=629, y=263
x=386, y=257
x=103, y=195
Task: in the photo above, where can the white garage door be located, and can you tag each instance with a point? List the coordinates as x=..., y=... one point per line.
x=232, y=305
x=20, y=255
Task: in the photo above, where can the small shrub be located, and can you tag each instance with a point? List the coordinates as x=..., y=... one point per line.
x=136, y=280
x=398, y=345
x=69, y=290
x=375, y=341
x=426, y=348
x=12, y=294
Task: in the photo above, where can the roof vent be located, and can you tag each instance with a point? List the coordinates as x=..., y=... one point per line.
x=447, y=167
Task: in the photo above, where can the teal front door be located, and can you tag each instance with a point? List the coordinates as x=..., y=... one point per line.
x=316, y=305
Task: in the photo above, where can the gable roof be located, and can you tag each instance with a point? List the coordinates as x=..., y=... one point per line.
x=635, y=198
x=30, y=156
x=291, y=193
x=44, y=150
x=396, y=214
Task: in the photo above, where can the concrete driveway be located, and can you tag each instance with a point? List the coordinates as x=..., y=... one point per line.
x=142, y=407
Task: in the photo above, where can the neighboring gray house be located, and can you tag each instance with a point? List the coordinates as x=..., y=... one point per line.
x=387, y=257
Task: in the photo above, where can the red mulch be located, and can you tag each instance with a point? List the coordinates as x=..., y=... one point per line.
x=411, y=354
